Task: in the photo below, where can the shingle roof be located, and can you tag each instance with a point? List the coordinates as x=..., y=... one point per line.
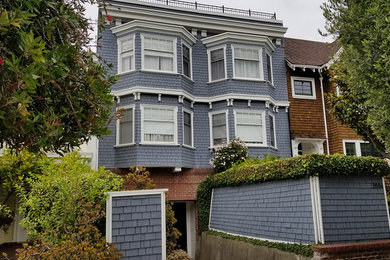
x=305, y=52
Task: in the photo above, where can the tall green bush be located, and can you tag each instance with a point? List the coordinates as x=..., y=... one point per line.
x=225, y=156
x=52, y=206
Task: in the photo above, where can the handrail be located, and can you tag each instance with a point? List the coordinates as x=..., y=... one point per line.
x=213, y=8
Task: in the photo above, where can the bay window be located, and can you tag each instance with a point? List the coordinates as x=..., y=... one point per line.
x=187, y=128
x=247, y=62
x=217, y=64
x=187, y=61
x=250, y=127
x=159, y=53
x=218, y=128
x=126, y=55
x=125, y=126
x=159, y=124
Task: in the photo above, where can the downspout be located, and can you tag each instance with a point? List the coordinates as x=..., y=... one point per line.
x=324, y=111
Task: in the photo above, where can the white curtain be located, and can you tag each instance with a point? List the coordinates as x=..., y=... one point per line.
x=217, y=62
x=249, y=127
x=159, y=125
x=246, y=63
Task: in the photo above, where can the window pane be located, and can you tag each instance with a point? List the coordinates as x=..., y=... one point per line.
x=159, y=125
x=127, y=45
x=126, y=127
x=187, y=129
x=269, y=68
x=350, y=149
x=186, y=61
x=367, y=149
x=249, y=127
x=127, y=63
x=219, y=129
x=158, y=53
x=303, y=88
x=217, y=63
x=272, y=130
x=247, y=69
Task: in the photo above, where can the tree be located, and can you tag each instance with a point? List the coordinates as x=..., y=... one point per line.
x=53, y=94
x=362, y=69
x=54, y=203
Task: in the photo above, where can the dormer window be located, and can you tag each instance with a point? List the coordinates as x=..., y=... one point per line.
x=217, y=64
x=126, y=55
x=247, y=62
x=159, y=53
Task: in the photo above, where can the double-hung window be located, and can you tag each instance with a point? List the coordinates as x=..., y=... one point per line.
x=159, y=53
x=303, y=88
x=159, y=124
x=219, y=129
x=217, y=65
x=359, y=148
x=272, y=130
x=269, y=69
x=187, y=128
x=250, y=127
x=247, y=62
x=187, y=61
x=125, y=126
x=126, y=55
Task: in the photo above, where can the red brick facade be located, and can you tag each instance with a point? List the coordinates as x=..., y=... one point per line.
x=181, y=185
x=359, y=251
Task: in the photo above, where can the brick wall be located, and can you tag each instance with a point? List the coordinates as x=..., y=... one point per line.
x=353, y=251
x=181, y=185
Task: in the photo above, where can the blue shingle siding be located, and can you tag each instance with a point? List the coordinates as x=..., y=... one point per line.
x=136, y=226
x=279, y=210
x=353, y=209
x=180, y=156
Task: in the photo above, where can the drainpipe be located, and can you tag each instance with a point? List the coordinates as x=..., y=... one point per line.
x=324, y=111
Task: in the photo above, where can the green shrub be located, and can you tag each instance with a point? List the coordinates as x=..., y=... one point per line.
x=83, y=242
x=225, y=156
x=51, y=207
x=289, y=168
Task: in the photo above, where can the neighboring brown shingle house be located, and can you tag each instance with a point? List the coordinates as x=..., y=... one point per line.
x=312, y=128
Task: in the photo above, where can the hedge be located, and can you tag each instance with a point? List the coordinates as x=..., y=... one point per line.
x=289, y=168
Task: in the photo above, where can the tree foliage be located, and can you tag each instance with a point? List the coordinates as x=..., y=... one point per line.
x=53, y=94
x=225, y=156
x=17, y=170
x=55, y=201
x=362, y=69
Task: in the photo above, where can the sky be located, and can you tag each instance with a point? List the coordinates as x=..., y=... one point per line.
x=302, y=17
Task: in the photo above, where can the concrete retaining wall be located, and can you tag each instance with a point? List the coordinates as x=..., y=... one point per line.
x=217, y=248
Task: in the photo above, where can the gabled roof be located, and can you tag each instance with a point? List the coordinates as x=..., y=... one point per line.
x=303, y=52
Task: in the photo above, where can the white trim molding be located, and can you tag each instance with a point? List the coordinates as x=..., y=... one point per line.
x=225, y=37
x=313, y=87
x=317, y=210
x=199, y=99
x=195, y=18
x=358, y=151
x=154, y=27
x=387, y=202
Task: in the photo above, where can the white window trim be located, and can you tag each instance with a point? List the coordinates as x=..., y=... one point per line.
x=118, y=127
x=209, y=62
x=119, y=44
x=143, y=142
x=357, y=146
x=303, y=79
x=174, y=39
x=182, y=62
x=271, y=66
x=264, y=126
x=261, y=67
x=276, y=143
x=192, y=127
x=211, y=126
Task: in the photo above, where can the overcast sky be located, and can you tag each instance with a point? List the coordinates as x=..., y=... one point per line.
x=302, y=17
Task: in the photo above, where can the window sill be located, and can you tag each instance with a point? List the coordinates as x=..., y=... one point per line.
x=159, y=144
x=249, y=79
x=257, y=145
x=216, y=81
x=159, y=72
x=271, y=84
x=274, y=148
x=189, y=147
x=187, y=78
x=304, y=97
x=123, y=145
x=126, y=72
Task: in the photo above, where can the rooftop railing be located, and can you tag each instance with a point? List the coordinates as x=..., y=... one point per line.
x=213, y=8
